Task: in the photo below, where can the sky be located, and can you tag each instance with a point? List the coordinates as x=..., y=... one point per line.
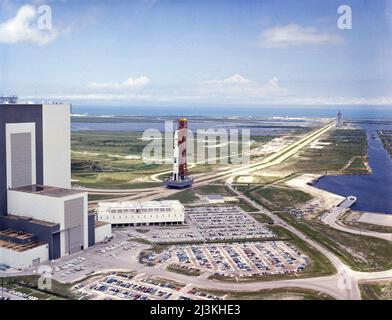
x=213, y=53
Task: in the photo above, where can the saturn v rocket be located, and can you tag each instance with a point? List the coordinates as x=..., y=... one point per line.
x=179, y=178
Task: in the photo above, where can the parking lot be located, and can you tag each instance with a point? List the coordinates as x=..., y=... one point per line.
x=116, y=254
x=225, y=223
x=206, y=223
x=164, y=234
x=207, y=255
x=127, y=286
x=236, y=259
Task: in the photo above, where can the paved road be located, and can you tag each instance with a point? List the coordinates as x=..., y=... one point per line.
x=332, y=217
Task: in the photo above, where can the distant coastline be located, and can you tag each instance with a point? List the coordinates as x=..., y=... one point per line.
x=349, y=111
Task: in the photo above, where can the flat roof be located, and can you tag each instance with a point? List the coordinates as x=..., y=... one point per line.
x=16, y=234
x=28, y=219
x=20, y=247
x=100, y=223
x=48, y=191
x=139, y=204
x=20, y=104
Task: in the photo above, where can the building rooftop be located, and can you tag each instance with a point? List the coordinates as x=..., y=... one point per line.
x=100, y=224
x=28, y=219
x=48, y=191
x=16, y=234
x=20, y=247
x=140, y=204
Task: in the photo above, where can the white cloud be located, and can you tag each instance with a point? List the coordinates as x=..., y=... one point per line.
x=130, y=83
x=296, y=35
x=234, y=79
x=327, y=101
x=241, y=87
x=24, y=28
x=184, y=97
x=88, y=97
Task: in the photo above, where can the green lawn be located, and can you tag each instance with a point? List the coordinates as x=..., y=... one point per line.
x=29, y=285
x=376, y=290
x=386, y=138
x=275, y=196
x=194, y=273
x=272, y=294
x=186, y=196
x=113, y=159
x=362, y=253
x=189, y=195
x=337, y=149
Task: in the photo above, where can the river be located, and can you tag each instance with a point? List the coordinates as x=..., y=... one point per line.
x=374, y=191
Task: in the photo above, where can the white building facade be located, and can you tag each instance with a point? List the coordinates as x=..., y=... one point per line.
x=65, y=207
x=25, y=258
x=141, y=213
x=35, y=185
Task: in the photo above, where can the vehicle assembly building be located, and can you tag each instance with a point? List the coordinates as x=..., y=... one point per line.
x=38, y=208
x=136, y=213
x=180, y=177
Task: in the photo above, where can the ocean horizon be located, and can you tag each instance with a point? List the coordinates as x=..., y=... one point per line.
x=354, y=112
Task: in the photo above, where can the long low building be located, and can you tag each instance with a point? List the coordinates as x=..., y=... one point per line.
x=136, y=213
x=21, y=249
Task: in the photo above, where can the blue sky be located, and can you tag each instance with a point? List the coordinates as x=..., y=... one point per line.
x=157, y=52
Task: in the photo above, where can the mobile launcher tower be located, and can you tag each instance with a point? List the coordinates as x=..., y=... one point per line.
x=180, y=177
x=339, y=120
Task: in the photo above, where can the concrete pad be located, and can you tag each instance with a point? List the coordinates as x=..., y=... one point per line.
x=376, y=218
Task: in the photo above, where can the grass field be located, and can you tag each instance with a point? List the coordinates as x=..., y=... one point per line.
x=189, y=195
x=273, y=294
x=275, y=196
x=262, y=218
x=97, y=197
x=185, y=197
x=362, y=253
x=376, y=290
x=367, y=226
x=114, y=180
x=386, y=138
x=113, y=159
x=29, y=286
x=338, y=149
x=174, y=268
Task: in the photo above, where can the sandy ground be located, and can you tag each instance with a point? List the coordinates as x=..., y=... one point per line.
x=272, y=146
x=318, y=144
x=325, y=199
x=376, y=218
